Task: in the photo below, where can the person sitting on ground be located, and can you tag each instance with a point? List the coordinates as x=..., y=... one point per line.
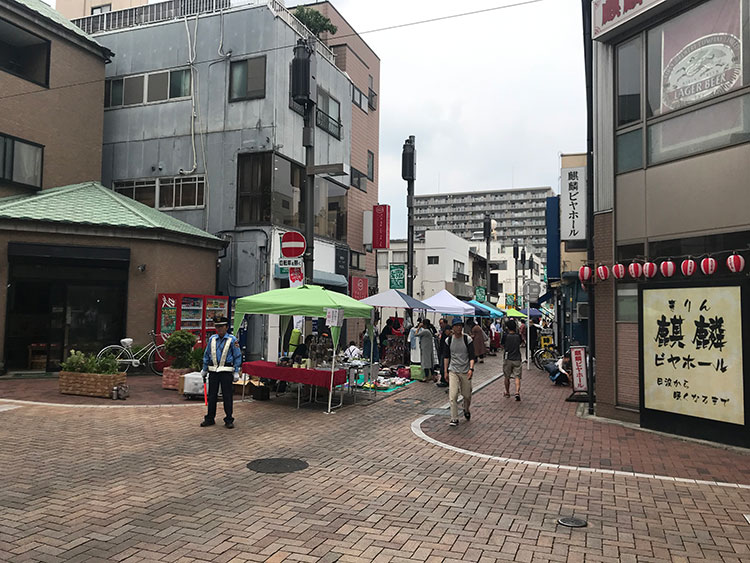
x=560, y=371
x=352, y=351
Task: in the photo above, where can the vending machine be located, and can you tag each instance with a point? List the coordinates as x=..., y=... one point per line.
x=194, y=313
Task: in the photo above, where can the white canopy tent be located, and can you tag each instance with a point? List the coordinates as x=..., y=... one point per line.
x=445, y=303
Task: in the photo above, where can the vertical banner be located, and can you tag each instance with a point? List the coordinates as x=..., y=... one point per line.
x=573, y=204
x=692, y=345
x=397, y=276
x=359, y=288
x=580, y=374
x=381, y=226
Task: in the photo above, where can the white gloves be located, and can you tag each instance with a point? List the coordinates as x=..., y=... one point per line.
x=204, y=373
x=236, y=377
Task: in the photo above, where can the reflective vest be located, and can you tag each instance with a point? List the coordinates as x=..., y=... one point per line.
x=220, y=365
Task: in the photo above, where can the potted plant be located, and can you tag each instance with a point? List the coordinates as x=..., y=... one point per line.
x=179, y=347
x=85, y=374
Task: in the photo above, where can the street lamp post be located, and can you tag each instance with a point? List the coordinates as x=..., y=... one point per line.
x=409, y=173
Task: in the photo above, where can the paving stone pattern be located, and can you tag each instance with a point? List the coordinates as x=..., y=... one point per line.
x=136, y=485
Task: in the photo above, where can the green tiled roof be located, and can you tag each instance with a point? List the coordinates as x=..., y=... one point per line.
x=91, y=203
x=53, y=15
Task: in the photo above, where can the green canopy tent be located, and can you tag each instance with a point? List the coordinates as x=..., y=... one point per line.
x=307, y=301
x=513, y=313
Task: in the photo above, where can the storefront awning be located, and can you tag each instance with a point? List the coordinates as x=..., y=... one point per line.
x=319, y=277
x=546, y=297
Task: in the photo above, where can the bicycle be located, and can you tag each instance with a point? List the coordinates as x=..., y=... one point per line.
x=545, y=355
x=155, y=354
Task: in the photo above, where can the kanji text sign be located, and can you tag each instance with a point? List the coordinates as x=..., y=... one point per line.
x=573, y=204
x=692, y=352
x=578, y=361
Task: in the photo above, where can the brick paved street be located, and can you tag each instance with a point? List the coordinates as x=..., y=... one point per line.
x=125, y=484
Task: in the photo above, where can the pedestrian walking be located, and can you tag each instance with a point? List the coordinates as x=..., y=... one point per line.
x=512, y=363
x=222, y=362
x=459, y=364
x=478, y=337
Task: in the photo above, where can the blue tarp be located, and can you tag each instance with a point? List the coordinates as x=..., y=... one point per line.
x=489, y=309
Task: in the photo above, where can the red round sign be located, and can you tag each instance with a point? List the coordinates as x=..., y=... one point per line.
x=293, y=244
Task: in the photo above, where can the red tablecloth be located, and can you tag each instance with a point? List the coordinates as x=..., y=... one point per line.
x=318, y=377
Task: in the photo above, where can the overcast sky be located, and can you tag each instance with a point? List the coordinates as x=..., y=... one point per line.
x=491, y=98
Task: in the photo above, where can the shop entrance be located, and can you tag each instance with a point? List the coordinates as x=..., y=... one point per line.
x=56, y=305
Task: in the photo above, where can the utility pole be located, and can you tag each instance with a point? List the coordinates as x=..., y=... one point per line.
x=523, y=271
x=515, y=264
x=409, y=173
x=487, y=235
x=589, y=64
x=304, y=92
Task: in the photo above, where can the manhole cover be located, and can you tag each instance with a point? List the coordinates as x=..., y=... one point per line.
x=572, y=522
x=277, y=465
x=413, y=402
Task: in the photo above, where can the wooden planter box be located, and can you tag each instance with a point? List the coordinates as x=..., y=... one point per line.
x=170, y=379
x=90, y=384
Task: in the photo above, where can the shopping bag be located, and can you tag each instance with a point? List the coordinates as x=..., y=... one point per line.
x=417, y=372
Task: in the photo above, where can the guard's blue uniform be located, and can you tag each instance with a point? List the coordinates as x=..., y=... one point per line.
x=222, y=358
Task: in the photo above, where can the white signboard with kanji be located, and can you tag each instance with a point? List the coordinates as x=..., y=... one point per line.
x=578, y=360
x=573, y=204
x=692, y=352
x=334, y=317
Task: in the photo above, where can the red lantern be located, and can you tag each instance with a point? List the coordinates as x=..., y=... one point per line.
x=603, y=273
x=635, y=270
x=618, y=270
x=667, y=268
x=688, y=267
x=584, y=273
x=708, y=265
x=649, y=270
x=736, y=263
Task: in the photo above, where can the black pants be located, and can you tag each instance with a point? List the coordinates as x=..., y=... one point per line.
x=223, y=378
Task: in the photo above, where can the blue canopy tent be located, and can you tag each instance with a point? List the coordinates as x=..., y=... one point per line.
x=532, y=312
x=489, y=309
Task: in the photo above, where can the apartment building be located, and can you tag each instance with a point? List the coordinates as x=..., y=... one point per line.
x=199, y=122
x=671, y=163
x=519, y=213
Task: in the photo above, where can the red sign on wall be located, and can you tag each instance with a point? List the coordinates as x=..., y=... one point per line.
x=381, y=226
x=359, y=288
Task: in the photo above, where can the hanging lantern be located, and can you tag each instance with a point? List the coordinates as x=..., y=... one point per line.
x=635, y=270
x=649, y=270
x=708, y=265
x=584, y=273
x=688, y=267
x=603, y=273
x=736, y=263
x=618, y=270
x=667, y=268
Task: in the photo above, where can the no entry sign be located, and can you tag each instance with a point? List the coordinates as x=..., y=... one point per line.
x=293, y=244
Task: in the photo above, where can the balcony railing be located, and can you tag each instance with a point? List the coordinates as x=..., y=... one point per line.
x=173, y=9
x=459, y=277
x=329, y=124
x=372, y=99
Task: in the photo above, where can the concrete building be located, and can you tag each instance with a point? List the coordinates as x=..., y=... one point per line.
x=519, y=213
x=199, y=122
x=671, y=163
x=51, y=87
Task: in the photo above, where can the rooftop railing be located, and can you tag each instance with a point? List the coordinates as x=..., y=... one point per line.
x=175, y=9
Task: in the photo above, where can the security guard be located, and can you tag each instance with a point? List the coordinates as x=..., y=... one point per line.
x=221, y=362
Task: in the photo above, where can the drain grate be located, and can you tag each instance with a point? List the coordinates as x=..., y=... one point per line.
x=572, y=522
x=277, y=465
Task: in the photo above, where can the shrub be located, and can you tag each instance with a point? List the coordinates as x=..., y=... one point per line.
x=88, y=363
x=179, y=345
x=196, y=359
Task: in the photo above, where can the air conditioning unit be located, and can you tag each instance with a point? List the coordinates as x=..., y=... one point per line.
x=582, y=311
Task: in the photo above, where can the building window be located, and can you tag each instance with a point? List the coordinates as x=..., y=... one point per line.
x=358, y=179
x=433, y=259
x=254, y=188
x=178, y=192
x=371, y=165
x=158, y=86
x=179, y=83
x=501, y=265
x=372, y=97
x=629, y=82
x=359, y=98
x=699, y=57
x=627, y=302
x=329, y=114
x=103, y=9
x=143, y=191
x=247, y=79
x=133, y=90
x=24, y=54
x=357, y=260
x=399, y=257
x=20, y=162
x=458, y=267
